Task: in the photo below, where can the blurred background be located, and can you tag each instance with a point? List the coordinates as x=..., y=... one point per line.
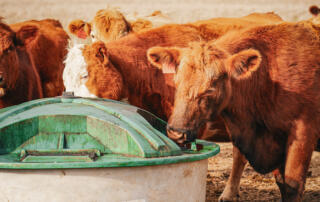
x=179, y=11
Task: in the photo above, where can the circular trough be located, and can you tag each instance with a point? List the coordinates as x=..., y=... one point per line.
x=76, y=149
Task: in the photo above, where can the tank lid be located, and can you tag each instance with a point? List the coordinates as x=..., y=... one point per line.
x=68, y=132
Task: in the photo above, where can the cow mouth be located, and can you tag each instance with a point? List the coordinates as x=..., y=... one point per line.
x=181, y=136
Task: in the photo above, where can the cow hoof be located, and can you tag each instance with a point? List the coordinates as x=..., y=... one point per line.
x=222, y=200
x=229, y=199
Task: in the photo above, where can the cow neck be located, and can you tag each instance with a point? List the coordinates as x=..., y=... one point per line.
x=260, y=84
x=250, y=128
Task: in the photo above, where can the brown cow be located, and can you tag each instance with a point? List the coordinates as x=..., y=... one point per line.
x=265, y=84
x=19, y=79
x=48, y=50
x=120, y=68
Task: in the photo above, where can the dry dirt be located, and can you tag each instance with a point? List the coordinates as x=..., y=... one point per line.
x=254, y=187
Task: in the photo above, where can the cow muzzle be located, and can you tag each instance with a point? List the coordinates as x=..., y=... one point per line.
x=2, y=92
x=181, y=136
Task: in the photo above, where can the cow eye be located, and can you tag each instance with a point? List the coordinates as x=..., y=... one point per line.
x=84, y=76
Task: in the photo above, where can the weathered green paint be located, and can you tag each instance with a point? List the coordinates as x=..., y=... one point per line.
x=59, y=156
x=56, y=159
x=63, y=132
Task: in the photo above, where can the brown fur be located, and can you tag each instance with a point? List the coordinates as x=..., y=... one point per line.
x=48, y=51
x=140, y=25
x=19, y=78
x=216, y=27
x=265, y=83
x=102, y=65
x=147, y=86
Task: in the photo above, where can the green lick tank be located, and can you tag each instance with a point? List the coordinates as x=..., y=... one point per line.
x=78, y=149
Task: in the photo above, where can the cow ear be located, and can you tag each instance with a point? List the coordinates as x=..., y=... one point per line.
x=166, y=59
x=102, y=55
x=72, y=27
x=26, y=34
x=314, y=10
x=244, y=63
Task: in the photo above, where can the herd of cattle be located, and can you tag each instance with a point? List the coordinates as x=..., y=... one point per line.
x=254, y=79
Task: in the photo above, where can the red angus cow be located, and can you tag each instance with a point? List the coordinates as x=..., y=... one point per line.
x=48, y=50
x=265, y=83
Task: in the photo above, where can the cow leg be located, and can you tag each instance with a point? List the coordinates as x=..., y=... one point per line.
x=301, y=144
x=295, y=173
x=232, y=188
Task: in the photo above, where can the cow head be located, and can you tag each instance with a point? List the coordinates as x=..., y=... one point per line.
x=109, y=25
x=89, y=72
x=10, y=44
x=203, y=75
x=80, y=28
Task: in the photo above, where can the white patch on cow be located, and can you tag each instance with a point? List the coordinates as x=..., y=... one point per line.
x=75, y=74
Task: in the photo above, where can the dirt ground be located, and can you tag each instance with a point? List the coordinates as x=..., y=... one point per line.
x=254, y=187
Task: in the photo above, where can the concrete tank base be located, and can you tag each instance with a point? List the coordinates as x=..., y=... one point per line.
x=172, y=182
